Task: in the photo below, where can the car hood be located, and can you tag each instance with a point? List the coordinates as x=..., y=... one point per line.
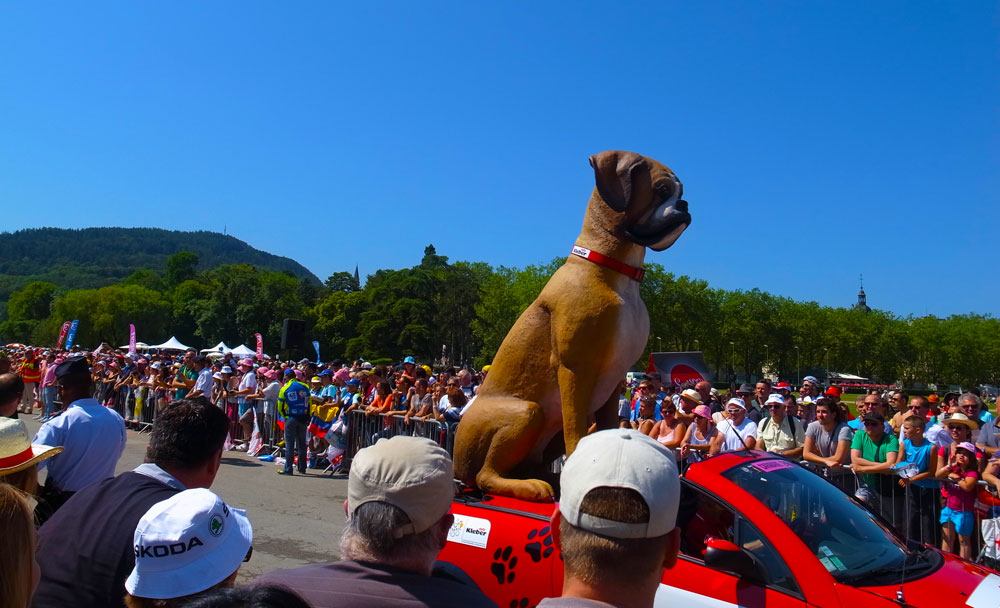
x=955, y=583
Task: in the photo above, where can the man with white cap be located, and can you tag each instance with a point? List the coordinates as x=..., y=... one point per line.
x=736, y=431
x=185, y=545
x=399, y=496
x=85, y=550
x=616, y=521
x=780, y=433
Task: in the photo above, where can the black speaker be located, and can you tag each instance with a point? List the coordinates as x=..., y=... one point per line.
x=293, y=334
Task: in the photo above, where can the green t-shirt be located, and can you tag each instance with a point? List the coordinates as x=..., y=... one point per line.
x=874, y=452
x=188, y=374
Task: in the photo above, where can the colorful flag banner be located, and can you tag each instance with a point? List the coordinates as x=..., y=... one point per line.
x=256, y=443
x=131, y=339
x=260, y=346
x=62, y=334
x=316, y=346
x=72, y=334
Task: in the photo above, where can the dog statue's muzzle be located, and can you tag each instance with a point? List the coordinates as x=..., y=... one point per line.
x=661, y=228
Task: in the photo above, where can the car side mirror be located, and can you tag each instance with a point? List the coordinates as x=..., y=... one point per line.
x=729, y=557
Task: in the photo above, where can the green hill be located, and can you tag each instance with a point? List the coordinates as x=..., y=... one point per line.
x=95, y=257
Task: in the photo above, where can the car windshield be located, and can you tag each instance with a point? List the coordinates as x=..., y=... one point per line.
x=848, y=540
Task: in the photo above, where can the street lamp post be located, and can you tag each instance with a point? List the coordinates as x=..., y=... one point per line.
x=661, y=343
x=826, y=351
x=732, y=358
x=798, y=367
x=767, y=356
x=697, y=344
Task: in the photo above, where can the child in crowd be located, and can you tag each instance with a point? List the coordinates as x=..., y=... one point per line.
x=922, y=502
x=959, y=488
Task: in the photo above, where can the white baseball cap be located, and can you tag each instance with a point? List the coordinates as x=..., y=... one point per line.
x=621, y=458
x=737, y=402
x=186, y=544
x=775, y=398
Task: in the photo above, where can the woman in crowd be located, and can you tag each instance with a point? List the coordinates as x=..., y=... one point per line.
x=670, y=430
x=456, y=401
x=383, y=399
x=699, y=439
x=828, y=442
x=421, y=404
x=19, y=572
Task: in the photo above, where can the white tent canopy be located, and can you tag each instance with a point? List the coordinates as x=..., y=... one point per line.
x=138, y=346
x=243, y=351
x=218, y=348
x=171, y=344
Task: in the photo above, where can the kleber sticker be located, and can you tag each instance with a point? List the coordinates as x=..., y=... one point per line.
x=472, y=531
x=772, y=465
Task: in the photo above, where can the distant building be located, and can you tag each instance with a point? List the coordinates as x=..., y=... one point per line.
x=862, y=299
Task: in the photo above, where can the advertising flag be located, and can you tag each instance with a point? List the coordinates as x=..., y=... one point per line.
x=316, y=346
x=260, y=346
x=679, y=367
x=62, y=334
x=131, y=339
x=72, y=334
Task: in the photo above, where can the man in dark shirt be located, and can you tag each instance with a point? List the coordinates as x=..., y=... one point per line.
x=11, y=389
x=398, y=496
x=85, y=551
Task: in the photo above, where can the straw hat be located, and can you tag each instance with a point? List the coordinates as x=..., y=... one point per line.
x=960, y=418
x=16, y=451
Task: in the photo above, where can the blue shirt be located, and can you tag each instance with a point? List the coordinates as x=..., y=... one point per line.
x=94, y=438
x=922, y=458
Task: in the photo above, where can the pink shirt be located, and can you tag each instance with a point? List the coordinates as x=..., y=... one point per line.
x=50, y=375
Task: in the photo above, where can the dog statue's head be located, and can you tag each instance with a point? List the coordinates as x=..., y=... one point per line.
x=648, y=195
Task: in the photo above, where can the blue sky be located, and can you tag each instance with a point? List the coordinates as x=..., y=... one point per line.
x=815, y=140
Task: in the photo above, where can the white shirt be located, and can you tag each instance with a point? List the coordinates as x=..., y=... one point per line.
x=204, y=382
x=94, y=438
x=730, y=439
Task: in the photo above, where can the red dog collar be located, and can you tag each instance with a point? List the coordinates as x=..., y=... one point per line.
x=602, y=260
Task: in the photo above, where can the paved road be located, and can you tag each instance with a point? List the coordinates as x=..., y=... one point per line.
x=296, y=520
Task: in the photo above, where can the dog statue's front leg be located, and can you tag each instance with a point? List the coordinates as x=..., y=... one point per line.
x=576, y=391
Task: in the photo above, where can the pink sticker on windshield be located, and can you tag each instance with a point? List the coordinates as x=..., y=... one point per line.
x=772, y=465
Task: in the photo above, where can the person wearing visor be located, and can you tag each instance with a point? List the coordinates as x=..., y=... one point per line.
x=184, y=546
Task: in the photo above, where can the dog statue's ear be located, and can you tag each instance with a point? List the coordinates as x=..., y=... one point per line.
x=613, y=172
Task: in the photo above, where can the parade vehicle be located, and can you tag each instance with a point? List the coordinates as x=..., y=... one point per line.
x=756, y=530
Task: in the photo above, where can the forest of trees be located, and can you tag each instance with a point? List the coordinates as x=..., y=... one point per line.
x=96, y=257
x=468, y=307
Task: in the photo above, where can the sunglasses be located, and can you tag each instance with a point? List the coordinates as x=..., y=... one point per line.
x=776, y=406
x=955, y=427
x=872, y=423
x=734, y=411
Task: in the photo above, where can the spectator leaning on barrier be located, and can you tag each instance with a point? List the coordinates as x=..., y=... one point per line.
x=828, y=442
x=203, y=383
x=93, y=435
x=873, y=453
x=616, y=521
x=922, y=499
x=398, y=500
x=86, y=549
x=184, y=546
x=780, y=433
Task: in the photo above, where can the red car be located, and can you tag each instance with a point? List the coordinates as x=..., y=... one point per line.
x=756, y=531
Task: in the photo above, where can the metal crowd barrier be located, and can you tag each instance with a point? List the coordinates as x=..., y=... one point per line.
x=364, y=430
x=901, y=510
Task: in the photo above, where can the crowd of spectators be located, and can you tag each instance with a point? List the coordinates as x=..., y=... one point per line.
x=916, y=461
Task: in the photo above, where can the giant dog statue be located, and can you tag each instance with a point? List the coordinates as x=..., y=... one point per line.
x=557, y=370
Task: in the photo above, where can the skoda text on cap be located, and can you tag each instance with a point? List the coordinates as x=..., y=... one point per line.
x=187, y=543
x=621, y=458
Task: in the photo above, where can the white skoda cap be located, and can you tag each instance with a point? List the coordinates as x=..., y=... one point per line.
x=621, y=458
x=186, y=544
x=775, y=398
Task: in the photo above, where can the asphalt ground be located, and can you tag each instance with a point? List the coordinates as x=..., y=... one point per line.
x=296, y=520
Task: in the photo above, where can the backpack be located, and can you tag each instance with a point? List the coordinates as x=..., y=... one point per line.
x=791, y=424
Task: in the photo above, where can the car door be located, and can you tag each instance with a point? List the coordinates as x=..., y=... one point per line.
x=691, y=583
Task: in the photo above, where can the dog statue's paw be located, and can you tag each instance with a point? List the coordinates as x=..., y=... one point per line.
x=534, y=490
